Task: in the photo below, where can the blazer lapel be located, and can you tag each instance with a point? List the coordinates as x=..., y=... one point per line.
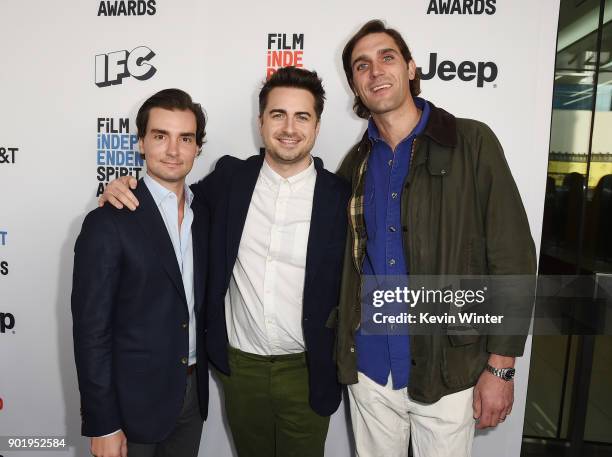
x=324, y=208
x=153, y=224
x=199, y=235
x=240, y=194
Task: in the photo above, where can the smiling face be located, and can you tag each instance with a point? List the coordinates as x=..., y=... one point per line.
x=169, y=145
x=381, y=76
x=289, y=127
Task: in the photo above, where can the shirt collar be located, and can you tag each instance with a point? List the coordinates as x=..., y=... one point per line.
x=273, y=179
x=421, y=104
x=160, y=193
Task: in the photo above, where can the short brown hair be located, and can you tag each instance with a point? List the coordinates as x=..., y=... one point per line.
x=172, y=99
x=298, y=78
x=375, y=26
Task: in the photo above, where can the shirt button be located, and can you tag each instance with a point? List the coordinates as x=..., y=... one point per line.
x=184, y=360
x=352, y=348
x=392, y=229
x=390, y=162
x=394, y=195
x=392, y=262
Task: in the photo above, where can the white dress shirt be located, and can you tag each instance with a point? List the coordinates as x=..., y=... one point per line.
x=263, y=305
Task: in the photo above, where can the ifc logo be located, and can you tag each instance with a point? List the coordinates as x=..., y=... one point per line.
x=111, y=68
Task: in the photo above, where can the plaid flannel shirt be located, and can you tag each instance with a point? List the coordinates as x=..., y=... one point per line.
x=357, y=215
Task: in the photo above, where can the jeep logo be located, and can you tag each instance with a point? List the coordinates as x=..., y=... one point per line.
x=483, y=72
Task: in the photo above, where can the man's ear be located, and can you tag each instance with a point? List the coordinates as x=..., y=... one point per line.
x=411, y=69
x=141, y=146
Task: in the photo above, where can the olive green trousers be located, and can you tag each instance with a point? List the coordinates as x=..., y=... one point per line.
x=266, y=402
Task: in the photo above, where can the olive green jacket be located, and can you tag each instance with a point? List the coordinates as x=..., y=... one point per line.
x=461, y=214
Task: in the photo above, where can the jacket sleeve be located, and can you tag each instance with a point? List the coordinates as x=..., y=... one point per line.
x=97, y=261
x=510, y=250
x=206, y=189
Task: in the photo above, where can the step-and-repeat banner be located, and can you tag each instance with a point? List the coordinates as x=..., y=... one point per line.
x=74, y=73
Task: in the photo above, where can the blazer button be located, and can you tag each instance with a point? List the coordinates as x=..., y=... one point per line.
x=352, y=348
x=184, y=325
x=184, y=360
x=413, y=363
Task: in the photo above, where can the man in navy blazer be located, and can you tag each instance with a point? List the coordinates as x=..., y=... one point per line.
x=278, y=231
x=276, y=250
x=137, y=299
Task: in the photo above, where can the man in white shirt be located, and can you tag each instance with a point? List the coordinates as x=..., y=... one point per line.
x=138, y=292
x=278, y=233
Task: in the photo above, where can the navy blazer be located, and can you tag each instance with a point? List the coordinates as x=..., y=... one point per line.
x=228, y=191
x=129, y=313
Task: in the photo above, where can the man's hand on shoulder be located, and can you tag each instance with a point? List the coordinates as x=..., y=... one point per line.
x=493, y=396
x=118, y=193
x=114, y=445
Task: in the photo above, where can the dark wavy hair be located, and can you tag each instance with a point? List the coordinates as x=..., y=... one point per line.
x=375, y=26
x=172, y=99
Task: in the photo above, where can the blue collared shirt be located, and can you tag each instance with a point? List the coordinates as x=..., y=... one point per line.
x=182, y=243
x=379, y=355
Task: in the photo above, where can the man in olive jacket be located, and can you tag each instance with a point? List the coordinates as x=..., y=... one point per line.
x=431, y=195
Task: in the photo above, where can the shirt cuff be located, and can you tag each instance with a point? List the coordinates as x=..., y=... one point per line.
x=110, y=434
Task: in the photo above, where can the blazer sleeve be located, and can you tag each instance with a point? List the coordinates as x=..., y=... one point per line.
x=97, y=262
x=207, y=190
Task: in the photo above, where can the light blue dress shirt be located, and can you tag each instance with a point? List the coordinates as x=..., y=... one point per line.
x=182, y=242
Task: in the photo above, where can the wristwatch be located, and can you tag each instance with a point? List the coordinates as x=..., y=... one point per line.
x=507, y=374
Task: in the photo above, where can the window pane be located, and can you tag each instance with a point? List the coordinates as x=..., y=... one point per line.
x=597, y=251
x=599, y=412
x=545, y=392
x=567, y=166
x=577, y=39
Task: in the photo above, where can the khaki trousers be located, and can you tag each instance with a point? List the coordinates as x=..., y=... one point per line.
x=385, y=419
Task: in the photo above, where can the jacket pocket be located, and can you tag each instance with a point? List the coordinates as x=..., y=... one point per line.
x=463, y=340
x=463, y=363
x=135, y=362
x=332, y=319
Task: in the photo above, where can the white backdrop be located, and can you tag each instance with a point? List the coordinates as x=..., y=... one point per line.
x=50, y=105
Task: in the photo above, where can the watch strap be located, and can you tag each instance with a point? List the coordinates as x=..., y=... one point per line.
x=507, y=374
